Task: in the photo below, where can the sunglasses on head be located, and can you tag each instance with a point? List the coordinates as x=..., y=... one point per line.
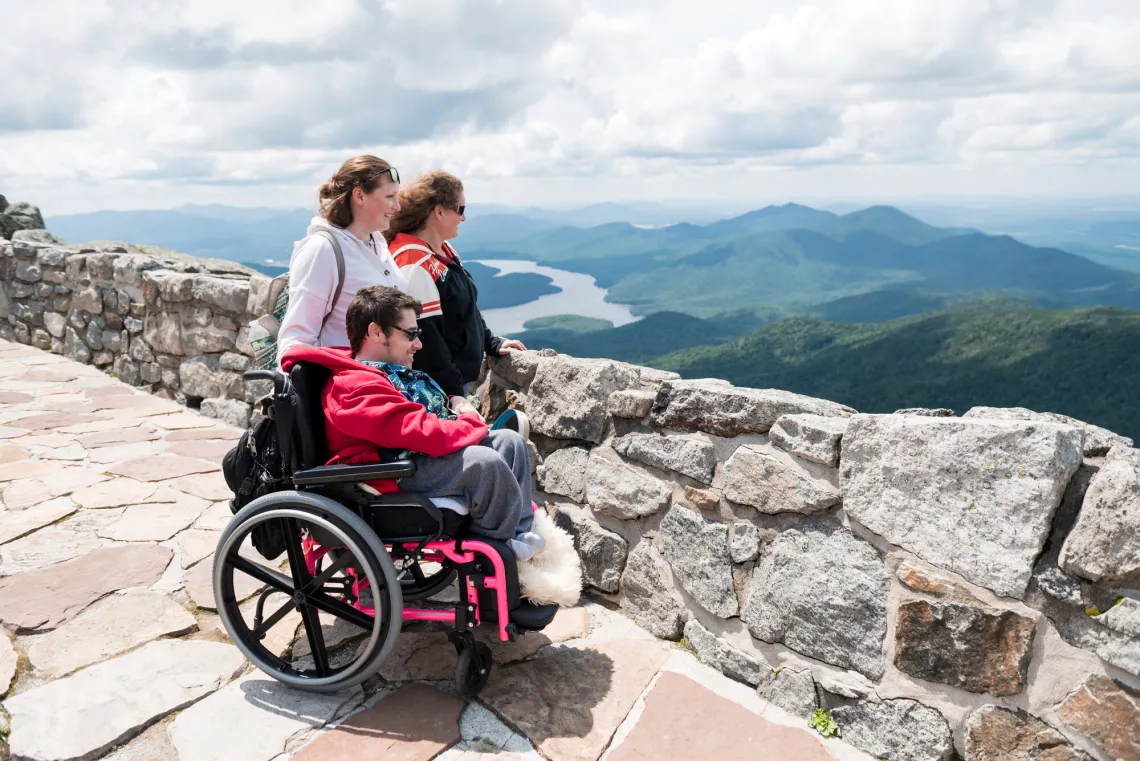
x=391, y=172
x=412, y=334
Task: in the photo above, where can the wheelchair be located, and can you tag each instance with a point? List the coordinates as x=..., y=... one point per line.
x=370, y=561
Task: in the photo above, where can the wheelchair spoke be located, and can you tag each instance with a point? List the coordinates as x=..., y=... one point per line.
x=316, y=639
x=341, y=610
x=297, y=567
x=278, y=581
x=268, y=623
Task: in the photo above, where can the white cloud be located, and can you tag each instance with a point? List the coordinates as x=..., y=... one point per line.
x=121, y=103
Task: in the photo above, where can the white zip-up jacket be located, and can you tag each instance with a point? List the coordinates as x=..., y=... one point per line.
x=312, y=283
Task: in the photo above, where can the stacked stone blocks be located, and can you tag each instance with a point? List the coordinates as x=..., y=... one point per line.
x=166, y=322
x=928, y=579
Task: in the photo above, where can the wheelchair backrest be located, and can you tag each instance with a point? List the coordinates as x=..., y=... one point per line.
x=309, y=444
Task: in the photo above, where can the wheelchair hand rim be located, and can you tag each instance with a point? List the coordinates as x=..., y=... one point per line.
x=308, y=517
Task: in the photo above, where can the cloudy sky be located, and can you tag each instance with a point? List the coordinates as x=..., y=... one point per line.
x=155, y=103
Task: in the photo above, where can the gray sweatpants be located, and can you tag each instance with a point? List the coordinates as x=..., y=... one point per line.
x=491, y=478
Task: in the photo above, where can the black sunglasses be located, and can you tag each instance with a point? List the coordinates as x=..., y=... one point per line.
x=458, y=209
x=391, y=172
x=412, y=334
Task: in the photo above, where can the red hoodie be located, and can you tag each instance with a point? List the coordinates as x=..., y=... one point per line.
x=364, y=413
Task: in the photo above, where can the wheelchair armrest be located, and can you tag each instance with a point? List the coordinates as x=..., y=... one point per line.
x=354, y=474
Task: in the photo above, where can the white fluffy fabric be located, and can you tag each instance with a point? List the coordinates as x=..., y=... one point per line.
x=555, y=574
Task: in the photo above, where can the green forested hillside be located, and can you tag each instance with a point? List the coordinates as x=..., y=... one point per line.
x=1001, y=353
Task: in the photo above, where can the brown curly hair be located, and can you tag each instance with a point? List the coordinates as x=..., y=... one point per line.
x=364, y=172
x=419, y=197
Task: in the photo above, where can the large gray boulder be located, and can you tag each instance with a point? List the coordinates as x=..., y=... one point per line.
x=18, y=216
x=773, y=482
x=730, y=661
x=647, y=593
x=822, y=592
x=723, y=410
x=896, y=730
x=564, y=472
x=688, y=455
x=602, y=551
x=697, y=551
x=975, y=496
x=518, y=367
x=569, y=396
x=621, y=490
x=811, y=437
x=1105, y=542
x=1097, y=440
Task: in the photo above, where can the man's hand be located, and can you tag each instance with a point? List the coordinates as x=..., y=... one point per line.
x=460, y=405
x=511, y=345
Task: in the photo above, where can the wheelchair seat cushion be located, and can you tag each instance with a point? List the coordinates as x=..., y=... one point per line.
x=450, y=503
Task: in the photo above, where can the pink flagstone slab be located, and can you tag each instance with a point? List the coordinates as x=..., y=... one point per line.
x=45, y=599
x=18, y=523
x=415, y=723
x=118, y=436
x=570, y=703
x=161, y=468
x=54, y=420
x=198, y=434
x=213, y=451
x=120, y=492
x=683, y=720
x=211, y=486
x=113, y=625
x=182, y=420
x=26, y=469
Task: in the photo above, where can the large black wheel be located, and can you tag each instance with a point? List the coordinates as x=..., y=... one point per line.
x=328, y=590
x=473, y=669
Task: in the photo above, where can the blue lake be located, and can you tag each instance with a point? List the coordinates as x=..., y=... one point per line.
x=580, y=295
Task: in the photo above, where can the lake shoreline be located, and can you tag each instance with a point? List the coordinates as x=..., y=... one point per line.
x=579, y=294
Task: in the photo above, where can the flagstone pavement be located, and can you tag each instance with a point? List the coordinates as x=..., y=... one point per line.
x=112, y=504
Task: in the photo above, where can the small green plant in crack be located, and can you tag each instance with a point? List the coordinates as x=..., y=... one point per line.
x=822, y=722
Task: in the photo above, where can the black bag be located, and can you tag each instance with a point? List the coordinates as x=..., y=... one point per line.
x=253, y=468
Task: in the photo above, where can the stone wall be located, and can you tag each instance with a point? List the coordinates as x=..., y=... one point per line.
x=168, y=322
x=943, y=586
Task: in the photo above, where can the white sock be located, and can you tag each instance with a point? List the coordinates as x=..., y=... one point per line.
x=522, y=550
x=536, y=542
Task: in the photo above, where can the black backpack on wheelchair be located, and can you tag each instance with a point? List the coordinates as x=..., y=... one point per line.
x=349, y=553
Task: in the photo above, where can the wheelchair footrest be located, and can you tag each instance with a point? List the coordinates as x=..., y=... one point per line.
x=530, y=617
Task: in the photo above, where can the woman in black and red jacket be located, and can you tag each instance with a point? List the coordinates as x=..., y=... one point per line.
x=455, y=337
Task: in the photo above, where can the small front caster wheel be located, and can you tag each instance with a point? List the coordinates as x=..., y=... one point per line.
x=473, y=670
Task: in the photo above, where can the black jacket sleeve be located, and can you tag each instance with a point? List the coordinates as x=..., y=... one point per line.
x=435, y=358
x=491, y=342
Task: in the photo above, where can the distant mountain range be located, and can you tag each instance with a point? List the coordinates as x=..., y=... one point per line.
x=779, y=260
x=793, y=258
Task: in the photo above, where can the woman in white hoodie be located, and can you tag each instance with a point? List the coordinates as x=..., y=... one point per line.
x=356, y=206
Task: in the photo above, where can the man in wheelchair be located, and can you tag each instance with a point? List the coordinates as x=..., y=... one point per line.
x=378, y=409
x=344, y=474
